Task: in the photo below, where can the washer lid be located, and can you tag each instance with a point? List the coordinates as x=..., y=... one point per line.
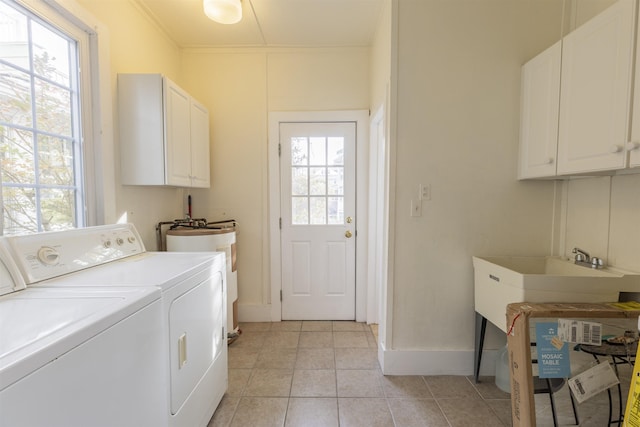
x=159, y=269
x=40, y=325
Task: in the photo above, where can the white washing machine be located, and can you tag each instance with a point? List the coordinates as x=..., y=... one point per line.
x=216, y=237
x=79, y=357
x=193, y=294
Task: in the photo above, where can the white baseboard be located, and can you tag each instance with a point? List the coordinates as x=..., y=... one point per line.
x=254, y=313
x=434, y=362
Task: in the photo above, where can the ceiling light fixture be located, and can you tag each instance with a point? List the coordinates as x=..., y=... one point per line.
x=223, y=11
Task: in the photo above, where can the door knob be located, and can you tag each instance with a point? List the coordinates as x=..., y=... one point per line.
x=348, y=234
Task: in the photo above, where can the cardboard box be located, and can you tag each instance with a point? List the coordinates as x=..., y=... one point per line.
x=632, y=411
x=523, y=409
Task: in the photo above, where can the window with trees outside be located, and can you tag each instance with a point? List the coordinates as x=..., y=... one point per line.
x=41, y=148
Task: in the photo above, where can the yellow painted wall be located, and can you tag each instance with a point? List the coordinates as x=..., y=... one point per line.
x=458, y=102
x=137, y=46
x=241, y=87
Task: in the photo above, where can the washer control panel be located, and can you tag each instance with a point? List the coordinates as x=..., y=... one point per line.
x=47, y=255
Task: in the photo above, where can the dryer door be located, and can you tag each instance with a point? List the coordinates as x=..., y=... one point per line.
x=196, y=328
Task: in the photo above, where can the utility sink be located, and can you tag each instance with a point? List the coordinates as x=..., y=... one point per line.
x=505, y=279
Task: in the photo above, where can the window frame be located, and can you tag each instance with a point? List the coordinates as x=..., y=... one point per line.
x=96, y=104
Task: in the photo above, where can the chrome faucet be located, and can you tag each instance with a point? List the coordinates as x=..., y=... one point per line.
x=583, y=258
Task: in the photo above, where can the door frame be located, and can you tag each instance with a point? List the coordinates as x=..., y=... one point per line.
x=361, y=119
x=377, y=271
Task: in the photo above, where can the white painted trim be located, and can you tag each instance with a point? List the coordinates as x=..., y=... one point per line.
x=254, y=313
x=361, y=118
x=385, y=330
x=376, y=216
x=434, y=362
x=274, y=215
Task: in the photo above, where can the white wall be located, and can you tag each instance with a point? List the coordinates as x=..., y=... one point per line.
x=458, y=92
x=601, y=216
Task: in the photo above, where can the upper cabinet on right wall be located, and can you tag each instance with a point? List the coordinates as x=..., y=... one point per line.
x=540, y=92
x=633, y=146
x=595, y=87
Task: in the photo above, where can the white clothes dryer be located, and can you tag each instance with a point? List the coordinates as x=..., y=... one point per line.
x=78, y=357
x=193, y=299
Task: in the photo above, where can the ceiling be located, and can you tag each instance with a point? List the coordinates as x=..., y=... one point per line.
x=270, y=23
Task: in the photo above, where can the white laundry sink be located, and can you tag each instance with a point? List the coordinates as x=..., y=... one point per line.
x=503, y=280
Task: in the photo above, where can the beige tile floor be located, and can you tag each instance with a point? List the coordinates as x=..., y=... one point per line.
x=325, y=373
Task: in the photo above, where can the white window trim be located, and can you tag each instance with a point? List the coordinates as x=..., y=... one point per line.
x=99, y=174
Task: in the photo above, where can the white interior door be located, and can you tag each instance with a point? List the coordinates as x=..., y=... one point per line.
x=318, y=224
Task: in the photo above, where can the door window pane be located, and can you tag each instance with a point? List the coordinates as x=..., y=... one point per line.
x=317, y=181
x=299, y=151
x=318, y=151
x=336, y=210
x=335, y=150
x=335, y=181
x=300, y=210
x=299, y=181
x=318, y=210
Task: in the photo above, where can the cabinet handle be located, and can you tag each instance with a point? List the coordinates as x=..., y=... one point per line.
x=615, y=149
x=550, y=161
x=633, y=145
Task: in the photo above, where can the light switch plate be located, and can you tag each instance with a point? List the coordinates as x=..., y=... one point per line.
x=425, y=192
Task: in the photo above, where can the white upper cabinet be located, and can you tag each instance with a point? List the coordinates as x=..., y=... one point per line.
x=595, y=92
x=200, y=174
x=540, y=100
x=164, y=133
x=178, y=135
x=633, y=146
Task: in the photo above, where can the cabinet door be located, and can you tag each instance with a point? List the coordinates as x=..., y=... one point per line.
x=200, y=175
x=633, y=147
x=594, y=104
x=178, y=134
x=540, y=98
x=142, y=137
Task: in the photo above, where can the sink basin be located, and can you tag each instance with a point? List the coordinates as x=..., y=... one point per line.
x=503, y=280
x=548, y=266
